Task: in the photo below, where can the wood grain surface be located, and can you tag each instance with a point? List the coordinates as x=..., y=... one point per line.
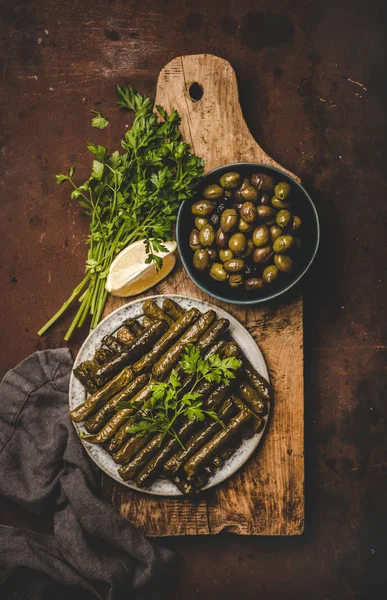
x=266, y=497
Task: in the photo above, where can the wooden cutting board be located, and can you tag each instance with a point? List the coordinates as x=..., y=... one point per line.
x=266, y=497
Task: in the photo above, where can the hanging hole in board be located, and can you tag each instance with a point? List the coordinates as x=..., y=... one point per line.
x=195, y=91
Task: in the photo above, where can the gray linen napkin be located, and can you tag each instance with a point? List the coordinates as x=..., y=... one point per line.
x=94, y=552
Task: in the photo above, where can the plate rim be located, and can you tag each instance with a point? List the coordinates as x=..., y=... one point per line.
x=254, y=441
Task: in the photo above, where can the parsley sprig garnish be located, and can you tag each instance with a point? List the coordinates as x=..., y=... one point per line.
x=129, y=196
x=167, y=404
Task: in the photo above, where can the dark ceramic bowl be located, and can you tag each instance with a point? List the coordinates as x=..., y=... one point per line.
x=302, y=205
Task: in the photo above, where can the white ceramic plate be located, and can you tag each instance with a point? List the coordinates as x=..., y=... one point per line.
x=110, y=324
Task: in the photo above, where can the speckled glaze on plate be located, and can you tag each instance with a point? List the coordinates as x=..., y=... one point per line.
x=77, y=395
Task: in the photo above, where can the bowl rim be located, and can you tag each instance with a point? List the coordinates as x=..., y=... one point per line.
x=276, y=294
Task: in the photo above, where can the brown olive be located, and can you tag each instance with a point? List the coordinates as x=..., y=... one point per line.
x=297, y=222
x=261, y=236
x=282, y=190
x=270, y=273
x=254, y=283
x=202, y=208
x=283, y=243
x=245, y=227
x=278, y=204
x=225, y=255
x=230, y=180
x=211, y=192
x=229, y=220
x=283, y=218
x=262, y=256
x=237, y=196
x=194, y=241
x=248, y=192
x=265, y=212
x=217, y=272
x=237, y=243
x=207, y=235
x=248, y=212
x=265, y=199
x=212, y=253
x=221, y=239
x=283, y=263
x=214, y=220
x=201, y=259
x=275, y=232
x=200, y=222
x=248, y=250
x=235, y=280
x=263, y=182
x=235, y=265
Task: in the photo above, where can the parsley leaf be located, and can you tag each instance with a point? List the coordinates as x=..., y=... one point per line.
x=99, y=122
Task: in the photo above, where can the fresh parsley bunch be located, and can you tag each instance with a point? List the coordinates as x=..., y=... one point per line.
x=130, y=196
x=167, y=404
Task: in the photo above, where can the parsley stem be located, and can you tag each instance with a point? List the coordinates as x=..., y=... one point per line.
x=65, y=305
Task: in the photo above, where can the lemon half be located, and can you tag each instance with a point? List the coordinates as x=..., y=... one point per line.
x=130, y=275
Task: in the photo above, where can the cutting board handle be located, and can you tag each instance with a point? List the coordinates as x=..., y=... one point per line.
x=203, y=88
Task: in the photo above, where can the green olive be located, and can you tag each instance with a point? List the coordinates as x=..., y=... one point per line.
x=275, y=232
x=237, y=243
x=297, y=222
x=194, y=241
x=278, y=204
x=262, y=256
x=248, y=192
x=207, y=235
x=245, y=227
x=265, y=212
x=235, y=280
x=283, y=243
x=283, y=218
x=254, y=283
x=212, y=253
x=283, y=263
x=229, y=220
x=282, y=190
x=263, y=182
x=225, y=255
x=217, y=272
x=211, y=192
x=228, y=194
x=235, y=265
x=261, y=236
x=248, y=212
x=270, y=273
x=200, y=222
x=201, y=259
x=270, y=222
x=248, y=250
x=230, y=180
x=202, y=208
x=221, y=239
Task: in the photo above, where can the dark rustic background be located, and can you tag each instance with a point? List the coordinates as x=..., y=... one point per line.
x=312, y=80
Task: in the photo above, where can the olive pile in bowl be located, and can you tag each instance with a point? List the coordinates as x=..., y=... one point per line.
x=245, y=231
x=262, y=208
